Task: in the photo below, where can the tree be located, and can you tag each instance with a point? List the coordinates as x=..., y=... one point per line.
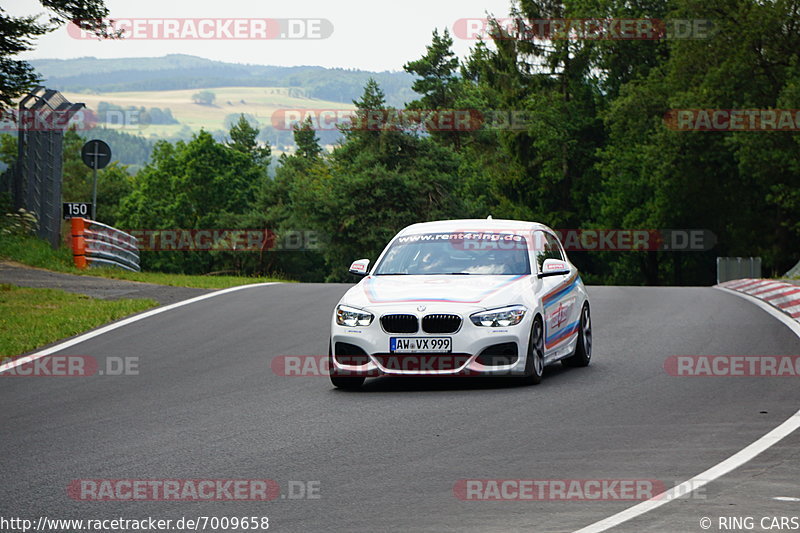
x=438, y=83
x=736, y=184
x=380, y=180
x=370, y=115
x=437, y=71
x=544, y=104
x=8, y=149
x=19, y=34
x=243, y=139
x=204, y=98
x=294, y=202
x=76, y=184
x=306, y=140
x=201, y=184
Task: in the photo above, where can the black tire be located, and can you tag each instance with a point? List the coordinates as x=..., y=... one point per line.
x=534, y=362
x=583, y=349
x=342, y=382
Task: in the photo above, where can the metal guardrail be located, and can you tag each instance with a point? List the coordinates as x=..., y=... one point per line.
x=96, y=244
x=730, y=268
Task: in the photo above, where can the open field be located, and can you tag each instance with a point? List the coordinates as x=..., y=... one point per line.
x=260, y=102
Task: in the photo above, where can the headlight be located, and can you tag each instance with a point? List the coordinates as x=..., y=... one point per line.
x=350, y=316
x=499, y=318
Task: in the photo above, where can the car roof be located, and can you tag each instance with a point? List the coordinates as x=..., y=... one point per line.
x=473, y=225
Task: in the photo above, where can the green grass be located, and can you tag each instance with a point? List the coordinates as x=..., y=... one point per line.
x=178, y=280
x=38, y=253
x=30, y=318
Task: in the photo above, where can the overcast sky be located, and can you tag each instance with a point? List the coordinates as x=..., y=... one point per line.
x=367, y=35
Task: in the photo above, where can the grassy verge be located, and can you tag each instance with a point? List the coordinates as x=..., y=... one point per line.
x=177, y=280
x=30, y=318
x=38, y=253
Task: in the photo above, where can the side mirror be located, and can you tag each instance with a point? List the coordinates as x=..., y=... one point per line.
x=554, y=267
x=359, y=268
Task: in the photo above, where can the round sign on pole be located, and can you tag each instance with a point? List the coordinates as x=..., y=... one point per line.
x=96, y=154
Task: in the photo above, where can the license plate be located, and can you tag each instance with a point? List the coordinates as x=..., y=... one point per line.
x=420, y=344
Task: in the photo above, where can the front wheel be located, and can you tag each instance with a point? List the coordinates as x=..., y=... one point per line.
x=342, y=382
x=583, y=349
x=534, y=363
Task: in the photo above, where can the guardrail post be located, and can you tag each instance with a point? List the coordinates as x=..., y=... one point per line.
x=79, y=242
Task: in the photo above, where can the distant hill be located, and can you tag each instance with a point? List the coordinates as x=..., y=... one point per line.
x=258, y=104
x=180, y=72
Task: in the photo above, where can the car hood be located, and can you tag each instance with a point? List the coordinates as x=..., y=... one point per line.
x=471, y=291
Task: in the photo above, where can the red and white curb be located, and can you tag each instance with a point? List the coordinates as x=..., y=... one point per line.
x=778, y=294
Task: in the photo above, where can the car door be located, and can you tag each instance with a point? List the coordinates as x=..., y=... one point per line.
x=561, y=313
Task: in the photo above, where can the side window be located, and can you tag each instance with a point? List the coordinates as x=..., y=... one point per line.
x=553, y=248
x=546, y=247
x=540, y=248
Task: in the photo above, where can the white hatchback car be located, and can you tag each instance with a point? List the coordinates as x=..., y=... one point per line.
x=462, y=298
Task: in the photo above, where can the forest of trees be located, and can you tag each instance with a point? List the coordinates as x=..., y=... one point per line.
x=593, y=151
x=116, y=114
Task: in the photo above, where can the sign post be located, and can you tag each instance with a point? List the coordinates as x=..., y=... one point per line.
x=96, y=154
x=76, y=210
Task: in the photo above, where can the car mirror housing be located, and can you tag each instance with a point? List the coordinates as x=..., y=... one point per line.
x=360, y=267
x=554, y=267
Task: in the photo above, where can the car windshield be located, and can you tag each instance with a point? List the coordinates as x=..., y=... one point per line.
x=456, y=253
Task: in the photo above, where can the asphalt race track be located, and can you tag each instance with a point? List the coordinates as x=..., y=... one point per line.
x=206, y=404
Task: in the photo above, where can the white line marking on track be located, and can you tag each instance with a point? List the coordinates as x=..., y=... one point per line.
x=774, y=311
x=731, y=463
x=124, y=322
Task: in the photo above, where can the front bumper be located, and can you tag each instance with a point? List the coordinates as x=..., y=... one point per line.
x=475, y=351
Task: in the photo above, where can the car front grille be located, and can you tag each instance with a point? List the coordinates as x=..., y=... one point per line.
x=399, y=323
x=441, y=323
